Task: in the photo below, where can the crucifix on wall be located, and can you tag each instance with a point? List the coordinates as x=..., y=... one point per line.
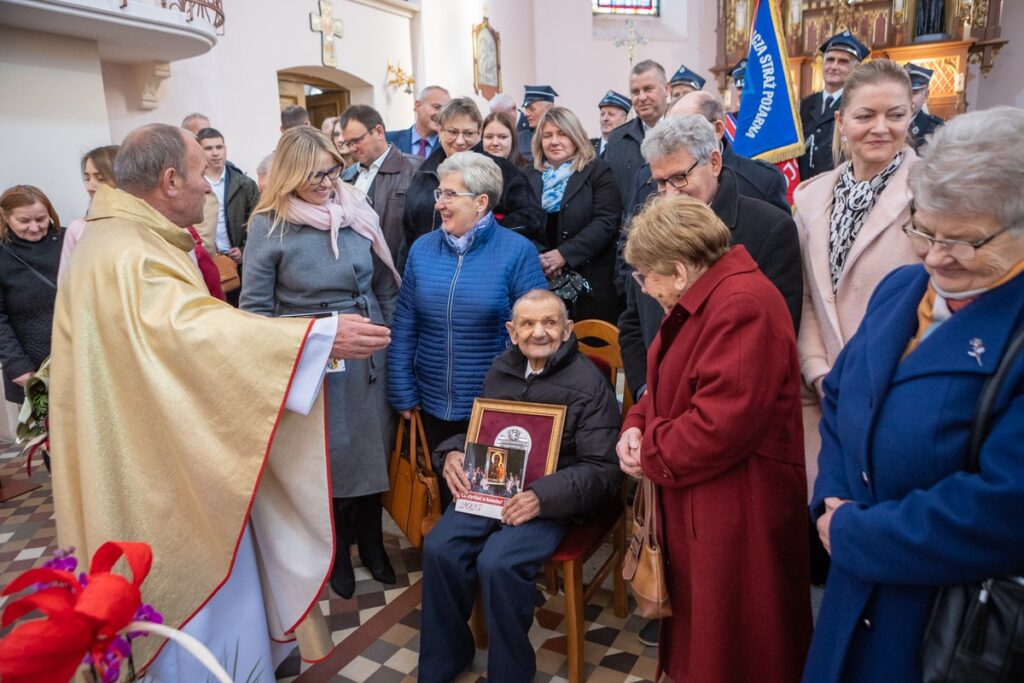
x=631, y=40
x=329, y=28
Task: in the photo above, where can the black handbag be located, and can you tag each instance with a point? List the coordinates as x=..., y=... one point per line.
x=976, y=630
x=569, y=286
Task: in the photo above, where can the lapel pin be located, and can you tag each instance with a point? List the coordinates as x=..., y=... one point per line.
x=977, y=348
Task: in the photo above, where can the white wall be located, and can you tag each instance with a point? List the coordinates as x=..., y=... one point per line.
x=235, y=84
x=1003, y=85
x=562, y=45
x=51, y=112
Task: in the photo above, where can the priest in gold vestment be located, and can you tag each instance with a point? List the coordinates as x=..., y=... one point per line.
x=181, y=422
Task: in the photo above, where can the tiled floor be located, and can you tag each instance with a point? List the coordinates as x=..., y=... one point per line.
x=377, y=630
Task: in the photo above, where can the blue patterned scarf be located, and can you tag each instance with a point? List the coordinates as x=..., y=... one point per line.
x=462, y=244
x=555, y=180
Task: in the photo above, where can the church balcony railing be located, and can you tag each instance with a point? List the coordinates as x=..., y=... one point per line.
x=126, y=31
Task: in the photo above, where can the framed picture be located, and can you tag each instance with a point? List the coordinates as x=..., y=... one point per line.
x=486, y=60
x=509, y=445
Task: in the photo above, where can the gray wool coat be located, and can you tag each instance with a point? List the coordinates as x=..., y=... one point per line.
x=293, y=272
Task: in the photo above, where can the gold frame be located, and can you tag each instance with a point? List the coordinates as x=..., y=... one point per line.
x=556, y=413
x=478, y=87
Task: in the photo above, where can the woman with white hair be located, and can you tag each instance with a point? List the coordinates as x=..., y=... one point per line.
x=457, y=292
x=894, y=500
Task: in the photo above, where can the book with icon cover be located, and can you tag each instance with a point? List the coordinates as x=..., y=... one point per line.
x=495, y=474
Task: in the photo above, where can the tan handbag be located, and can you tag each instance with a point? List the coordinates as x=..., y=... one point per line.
x=644, y=566
x=228, y=269
x=413, y=500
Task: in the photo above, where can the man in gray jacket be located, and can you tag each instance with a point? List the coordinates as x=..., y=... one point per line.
x=382, y=171
x=502, y=557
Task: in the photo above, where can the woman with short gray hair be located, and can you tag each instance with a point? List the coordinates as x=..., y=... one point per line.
x=514, y=206
x=457, y=292
x=895, y=501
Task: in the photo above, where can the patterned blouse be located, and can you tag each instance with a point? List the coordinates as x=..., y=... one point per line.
x=852, y=202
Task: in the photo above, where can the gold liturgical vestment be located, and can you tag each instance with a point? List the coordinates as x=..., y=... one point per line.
x=168, y=426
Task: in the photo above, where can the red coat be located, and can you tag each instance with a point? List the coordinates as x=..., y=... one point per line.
x=722, y=439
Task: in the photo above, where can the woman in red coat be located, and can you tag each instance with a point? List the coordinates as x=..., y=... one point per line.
x=719, y=434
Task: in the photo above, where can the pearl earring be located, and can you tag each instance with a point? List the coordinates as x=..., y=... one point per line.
x=843, y=138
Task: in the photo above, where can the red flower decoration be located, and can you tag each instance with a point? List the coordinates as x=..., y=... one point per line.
x=77, y=619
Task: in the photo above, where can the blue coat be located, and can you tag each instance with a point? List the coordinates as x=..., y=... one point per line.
x=894, y=440
x=450, y=321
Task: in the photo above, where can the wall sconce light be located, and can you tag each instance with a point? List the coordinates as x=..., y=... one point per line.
x=397, y=77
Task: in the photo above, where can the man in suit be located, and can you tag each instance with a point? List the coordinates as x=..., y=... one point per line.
x=841, y=55
x=381, y=170
x=613, y=110
x=420, y=139
x=503, y=102
x=648, y=88
x=537, y=100
x=923, y=123
x=683, y=82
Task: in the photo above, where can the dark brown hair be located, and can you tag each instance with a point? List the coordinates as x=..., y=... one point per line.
x=103, y=159
x=514, y=155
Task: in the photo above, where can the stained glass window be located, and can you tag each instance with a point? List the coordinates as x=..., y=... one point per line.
x=628, y=7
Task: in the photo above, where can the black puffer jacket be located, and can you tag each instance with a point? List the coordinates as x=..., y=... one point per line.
x=517, y=208
x=588, y=474
x=26, y=306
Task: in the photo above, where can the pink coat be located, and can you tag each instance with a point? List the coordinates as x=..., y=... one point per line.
x=829, y=320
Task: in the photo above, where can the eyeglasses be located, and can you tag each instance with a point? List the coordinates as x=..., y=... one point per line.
x=961, y=250
x=358, y=140
x=332, y=173
x=677, y=181
x=448, y=196
x=466, y=135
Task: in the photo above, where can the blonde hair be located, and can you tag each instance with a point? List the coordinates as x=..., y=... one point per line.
x=875, y=72
x=295, y=161
x=675, y=229
x=564, y=120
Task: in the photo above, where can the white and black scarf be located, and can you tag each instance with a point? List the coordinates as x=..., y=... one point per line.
x=852, y=202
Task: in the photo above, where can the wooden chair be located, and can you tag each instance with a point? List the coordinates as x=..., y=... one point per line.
x=600, y=342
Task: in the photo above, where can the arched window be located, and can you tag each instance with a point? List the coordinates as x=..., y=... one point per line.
x=649, y=8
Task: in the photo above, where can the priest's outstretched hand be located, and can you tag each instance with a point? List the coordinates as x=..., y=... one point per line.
x=357, y=337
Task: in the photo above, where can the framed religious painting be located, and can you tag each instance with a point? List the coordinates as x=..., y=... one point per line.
x=486, y=60
x=508, y=446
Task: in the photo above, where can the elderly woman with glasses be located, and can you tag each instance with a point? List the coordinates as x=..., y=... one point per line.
x=459, y=286
x=893, y=501
x=718, y=434
x=315, y=249
x=515, y=207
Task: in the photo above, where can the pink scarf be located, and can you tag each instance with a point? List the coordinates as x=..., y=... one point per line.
x=347, y=207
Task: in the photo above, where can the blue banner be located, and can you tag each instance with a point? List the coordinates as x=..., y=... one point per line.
x=768, y=125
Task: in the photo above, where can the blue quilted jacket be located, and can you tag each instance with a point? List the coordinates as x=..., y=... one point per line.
x=450, y=320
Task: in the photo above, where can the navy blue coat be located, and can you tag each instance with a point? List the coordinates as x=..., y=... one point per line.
x=894, y=440
x=450, y=320
x=402, y=139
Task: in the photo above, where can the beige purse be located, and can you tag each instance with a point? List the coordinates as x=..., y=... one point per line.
x=644, y=566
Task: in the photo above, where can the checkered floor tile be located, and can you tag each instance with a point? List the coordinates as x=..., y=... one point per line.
x=376, y=632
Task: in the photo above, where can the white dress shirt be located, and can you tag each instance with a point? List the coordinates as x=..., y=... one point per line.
x=366, y=175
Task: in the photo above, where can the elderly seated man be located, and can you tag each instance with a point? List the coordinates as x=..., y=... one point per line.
x=502, y=557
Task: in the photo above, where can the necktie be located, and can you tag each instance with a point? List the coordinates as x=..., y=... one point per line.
x=422, y=151
x=211, y=275
x=829, y=99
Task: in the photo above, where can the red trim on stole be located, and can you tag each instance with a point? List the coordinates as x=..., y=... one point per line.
x=252, y=498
